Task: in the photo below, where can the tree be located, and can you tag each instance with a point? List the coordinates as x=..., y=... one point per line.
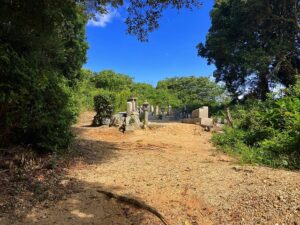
x=143, y=15
x=144, y=92
x=193, y=91
x=42, y=49
x=111, y=81
x=254, y=44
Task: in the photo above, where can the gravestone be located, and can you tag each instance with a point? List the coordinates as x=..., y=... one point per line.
x=169, y=110
x=200, y=113
x=203, y=113
x=133, y=101
x=156, y=110
x=151, y=108
x=129, y=108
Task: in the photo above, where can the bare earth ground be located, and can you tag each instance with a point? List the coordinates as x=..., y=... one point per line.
x=174, y=168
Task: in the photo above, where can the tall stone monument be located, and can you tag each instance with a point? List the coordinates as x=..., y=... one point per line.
x=133, y=101
x=156, y=112
x=146, y=113
x=129, y=108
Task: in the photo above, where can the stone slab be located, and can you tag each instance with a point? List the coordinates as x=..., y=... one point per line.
x=200, y=113
x=207, y=122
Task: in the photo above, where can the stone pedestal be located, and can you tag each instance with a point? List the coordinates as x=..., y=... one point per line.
x=146, y=113
x=146, y=116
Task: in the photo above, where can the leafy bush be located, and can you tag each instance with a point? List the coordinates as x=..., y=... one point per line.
x=266, y=132
x=42, y=50
x=103, y=105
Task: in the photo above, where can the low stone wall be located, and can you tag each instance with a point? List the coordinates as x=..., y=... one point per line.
x=192, y=120
x=205, y=122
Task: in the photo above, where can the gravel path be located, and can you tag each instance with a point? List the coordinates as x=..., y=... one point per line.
x=174, y=168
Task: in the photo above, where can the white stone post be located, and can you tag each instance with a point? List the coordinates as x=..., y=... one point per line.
x=129, y=108
x=156, y=110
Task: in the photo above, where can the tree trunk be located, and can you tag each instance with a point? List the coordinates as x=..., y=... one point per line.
x=263, y=86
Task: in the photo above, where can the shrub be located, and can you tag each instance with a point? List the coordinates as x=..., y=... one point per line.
x=266, y=132
x=103, y=105
x=41, y=53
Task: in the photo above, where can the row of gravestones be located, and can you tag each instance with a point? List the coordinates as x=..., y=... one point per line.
x=131, y=118
x=132, y=106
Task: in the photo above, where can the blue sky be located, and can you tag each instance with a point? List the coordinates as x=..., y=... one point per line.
x=171, y=49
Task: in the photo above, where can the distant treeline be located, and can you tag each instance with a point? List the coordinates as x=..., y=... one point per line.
x=180, y=92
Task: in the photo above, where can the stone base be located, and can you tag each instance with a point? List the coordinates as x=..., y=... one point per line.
x=206, y=122
x=133, y=122
x=192, y=120
x=129, y=128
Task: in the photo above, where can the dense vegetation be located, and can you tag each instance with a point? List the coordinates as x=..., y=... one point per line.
x=193, y=92
x=266, y=132
x=181, y=92
x=42, y=50
x=255, y=47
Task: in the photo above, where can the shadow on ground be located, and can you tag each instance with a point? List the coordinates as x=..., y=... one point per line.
x=87, y=205
x=70, y=201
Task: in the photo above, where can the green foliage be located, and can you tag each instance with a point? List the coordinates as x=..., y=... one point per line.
x=118, y=85
x=121, y=100
x=193, y=92
x=111, y=81
x=144, y=92
x=266, y=132
x=104, y=107
x=143, y=15
x=42, y=50
x=254, y=44
x=85, y=91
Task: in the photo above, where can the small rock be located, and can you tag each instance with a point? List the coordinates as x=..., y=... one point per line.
x=64, y=183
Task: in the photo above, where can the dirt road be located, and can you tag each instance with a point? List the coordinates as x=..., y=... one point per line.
x=174, y=168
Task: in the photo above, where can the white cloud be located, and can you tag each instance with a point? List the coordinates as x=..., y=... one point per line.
x=101, y=20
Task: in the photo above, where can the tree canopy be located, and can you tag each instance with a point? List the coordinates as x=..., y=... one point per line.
x=143, y=15
x=111, y=81
x=254, y=44
x=193, y=91
x=42, y=49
